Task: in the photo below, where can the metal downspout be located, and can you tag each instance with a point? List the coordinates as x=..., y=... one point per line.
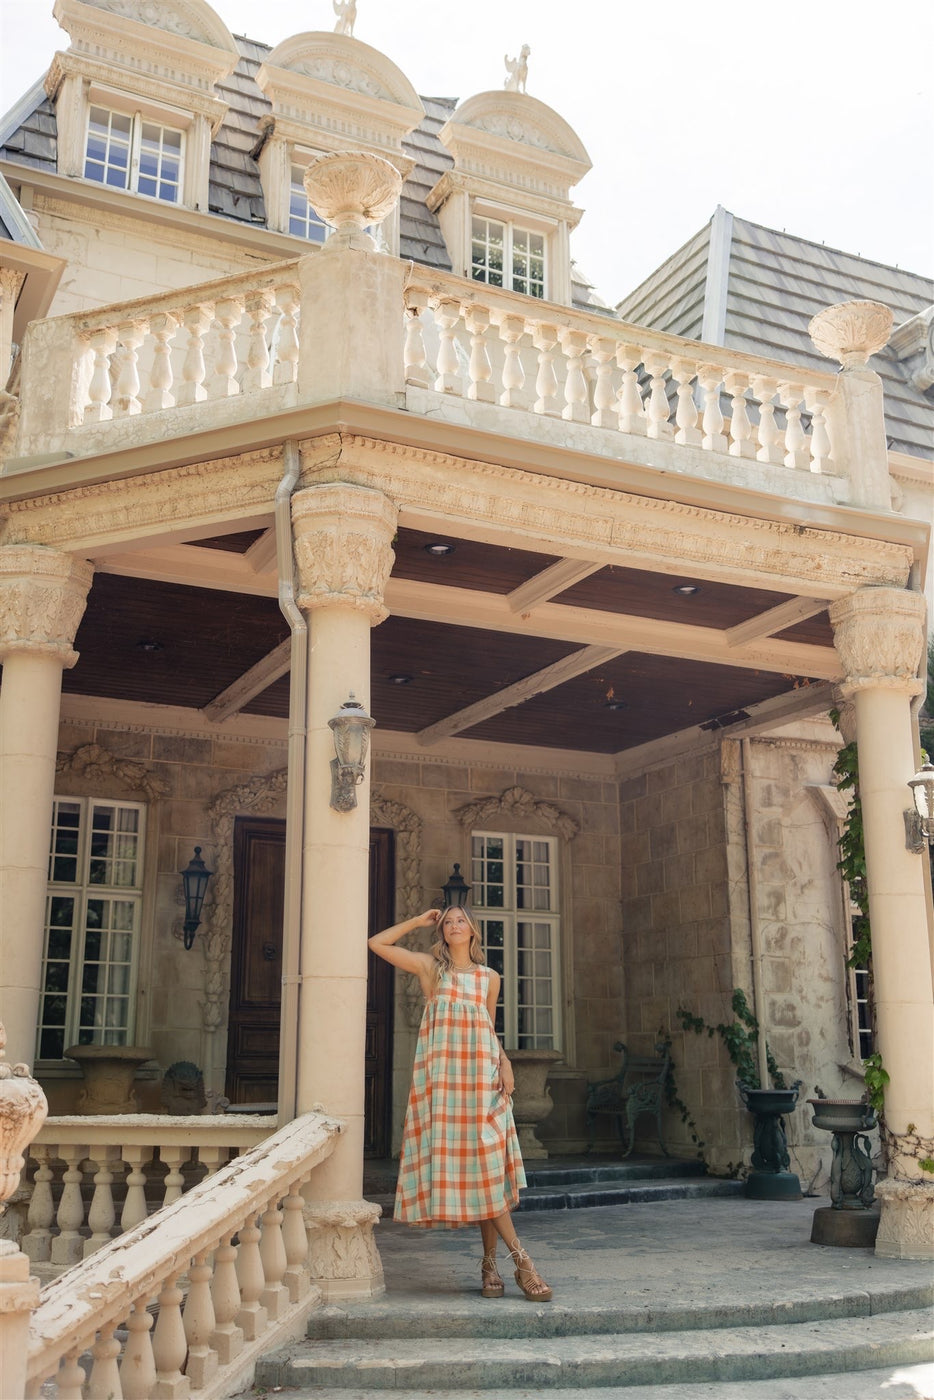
x=295, y=788
x=755, y=928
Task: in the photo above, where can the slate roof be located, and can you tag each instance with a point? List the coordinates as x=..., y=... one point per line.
x=753, y=289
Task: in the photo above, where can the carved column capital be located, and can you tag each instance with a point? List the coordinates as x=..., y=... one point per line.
x=879, y=635
x=43, y=593
x=343, y=547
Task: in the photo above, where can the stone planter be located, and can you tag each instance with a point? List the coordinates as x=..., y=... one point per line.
x=770, y=1179
x=108, y=1072
x=849, y=1219
x=531, y=1101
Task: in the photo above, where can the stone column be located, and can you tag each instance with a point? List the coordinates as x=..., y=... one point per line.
x=879, y=634
x=42, y=598
x=343, y=552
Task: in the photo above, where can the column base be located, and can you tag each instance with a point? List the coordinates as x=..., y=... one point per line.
x=342, y=1256
x=856, y=1229
x=906, y=1226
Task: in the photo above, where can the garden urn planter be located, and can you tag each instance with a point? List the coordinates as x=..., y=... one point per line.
x=108, y=1072
x=849, y=1219
x=770, y=1179
x=531, y=1101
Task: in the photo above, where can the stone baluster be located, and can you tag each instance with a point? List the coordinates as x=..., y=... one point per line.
x=447, y=318
x=631, y=408
x=162, y=328
x=258, y=307
x=213, y=1158
x=138, y=1372
x=200, y=1324
x=657, y=408
x=415, y=357
x=820, y=444
x=68, y=1244
x=275, y=1295
x=126, y=401
x=545, y=338
x=797, y=452
x=197, y=321
x=134, y=1205
x=480, y=371
x=173, y=1157
x=742, y=443
x=228, y=314
x=686, y=415
x=227, y=1340
x=102, y=345
x=576, y=396
x=288, y=300
x=511, y=331
x=104, y=1380
x=604, y=398
x=170, y=1345
x=37, y=1242
x=295, y=1240
x=714, y=439
x=252, y=1315
x=101, y=1212
x=71, y=1379
x=770, y=435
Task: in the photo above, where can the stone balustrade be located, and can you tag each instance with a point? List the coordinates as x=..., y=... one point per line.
x=228, y=1264
x=87, y=1187
x=490, y=346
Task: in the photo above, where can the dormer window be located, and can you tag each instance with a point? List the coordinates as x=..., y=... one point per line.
x=129, y=152
x=505, y=255
x=303, y=221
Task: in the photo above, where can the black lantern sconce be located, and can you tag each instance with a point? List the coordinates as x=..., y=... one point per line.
x=456, y=889
x=919, y=822
x=195, y=879
x=351, y=729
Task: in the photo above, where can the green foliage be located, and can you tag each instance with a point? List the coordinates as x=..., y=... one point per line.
x=741, y=1038
x=852, y=862
x=876, y=1079
x=926, y=717
x=674, y=1101
x=927, y=1164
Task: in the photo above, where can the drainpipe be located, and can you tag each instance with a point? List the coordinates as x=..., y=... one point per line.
x=755, y=928
x=295, y=787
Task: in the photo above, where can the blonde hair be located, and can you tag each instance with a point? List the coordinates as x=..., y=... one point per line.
x=442, y=953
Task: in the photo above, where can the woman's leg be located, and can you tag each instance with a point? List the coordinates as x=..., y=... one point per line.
x=491, y=1284
x=527, y=1276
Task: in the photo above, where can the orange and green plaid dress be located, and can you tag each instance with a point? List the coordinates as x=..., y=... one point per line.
x=460, y=1159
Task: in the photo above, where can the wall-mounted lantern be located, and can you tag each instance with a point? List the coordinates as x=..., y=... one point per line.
x=919, y=823
x=456, y=889
x=351, y=729
x=195, y=879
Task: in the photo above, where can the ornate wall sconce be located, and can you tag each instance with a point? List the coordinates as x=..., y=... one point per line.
x=195, y=879
x=351, y=729
x=456, y=889
x=919, y=822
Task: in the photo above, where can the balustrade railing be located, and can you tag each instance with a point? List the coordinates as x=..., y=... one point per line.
x=489, y=346
x=227, y=1265
x=87, y=1188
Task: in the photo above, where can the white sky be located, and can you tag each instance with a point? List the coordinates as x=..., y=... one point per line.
x=815, y=116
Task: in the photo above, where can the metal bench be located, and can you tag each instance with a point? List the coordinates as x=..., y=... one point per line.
x=638, y=1088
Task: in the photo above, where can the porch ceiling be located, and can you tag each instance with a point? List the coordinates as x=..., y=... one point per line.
x=174, y=643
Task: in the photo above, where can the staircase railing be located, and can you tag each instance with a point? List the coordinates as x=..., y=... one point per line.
x=227, y=1265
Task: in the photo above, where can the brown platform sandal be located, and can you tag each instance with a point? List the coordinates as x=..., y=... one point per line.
x=491, y=1284
x=527, y=1276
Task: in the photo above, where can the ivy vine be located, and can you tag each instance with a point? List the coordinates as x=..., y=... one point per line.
x=852, y=862
x=741, y=1038
x=673, y=1099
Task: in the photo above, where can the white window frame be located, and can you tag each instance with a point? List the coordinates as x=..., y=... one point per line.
x=511, y=915
x=82, y=890
x=512, y=222
x=137, y=117
x=326, y=231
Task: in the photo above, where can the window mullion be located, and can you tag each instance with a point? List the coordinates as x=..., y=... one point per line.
x=136, y=136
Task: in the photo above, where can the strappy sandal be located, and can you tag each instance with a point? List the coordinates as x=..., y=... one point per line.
x=491, y=1284
x=528, y=1278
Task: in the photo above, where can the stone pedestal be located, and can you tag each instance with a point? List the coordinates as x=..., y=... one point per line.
x=342, y=1256
x=531, y=1101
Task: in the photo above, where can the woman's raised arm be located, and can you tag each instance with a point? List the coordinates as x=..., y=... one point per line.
x=383, y=944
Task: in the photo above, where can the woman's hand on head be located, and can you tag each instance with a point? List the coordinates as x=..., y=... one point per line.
x=429, y=919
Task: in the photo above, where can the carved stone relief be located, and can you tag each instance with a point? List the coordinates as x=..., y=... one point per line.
x=159, y=15
x=343, y=547
x=42, y=599
x=99, y=767
x=879, y=635
x=518, y=802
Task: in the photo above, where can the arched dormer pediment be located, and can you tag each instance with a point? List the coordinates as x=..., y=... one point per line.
x=333, y=92
x=517, y=141
x=183, y=43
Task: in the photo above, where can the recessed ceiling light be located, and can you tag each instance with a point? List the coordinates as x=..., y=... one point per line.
x=440, y=549
x=148, y=644
x=614, y=704
x=400, y=679
x=686, y=590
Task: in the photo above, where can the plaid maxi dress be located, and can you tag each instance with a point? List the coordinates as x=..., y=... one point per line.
x=460, y=1160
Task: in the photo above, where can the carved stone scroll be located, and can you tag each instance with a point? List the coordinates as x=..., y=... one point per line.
x=518, y=802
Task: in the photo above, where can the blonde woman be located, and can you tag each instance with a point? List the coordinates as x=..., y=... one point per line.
x=460, y=1161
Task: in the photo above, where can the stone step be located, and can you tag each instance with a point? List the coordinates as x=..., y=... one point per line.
x=698, y=1356
x=380, y=1176
x=622, y=1192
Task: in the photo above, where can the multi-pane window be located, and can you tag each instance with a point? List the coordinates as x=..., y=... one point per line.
x=506, y=256
x=128, y=152
x=92, y=925
x=303, y=221
x=515, y=903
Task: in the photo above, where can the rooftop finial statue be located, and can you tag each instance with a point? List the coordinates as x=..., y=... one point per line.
x=517, y=70
x=346, y=11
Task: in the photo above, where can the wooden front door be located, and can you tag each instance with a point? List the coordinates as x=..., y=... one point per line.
x=256, y=974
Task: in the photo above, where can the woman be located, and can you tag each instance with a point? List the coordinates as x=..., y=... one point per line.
x=460, y=1159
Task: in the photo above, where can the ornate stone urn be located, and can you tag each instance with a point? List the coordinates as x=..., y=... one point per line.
x=108, y=1072
x=851, y=1174
x=851, y=331
x=351, y=189
x=531, y=1101
x=770, y=1179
